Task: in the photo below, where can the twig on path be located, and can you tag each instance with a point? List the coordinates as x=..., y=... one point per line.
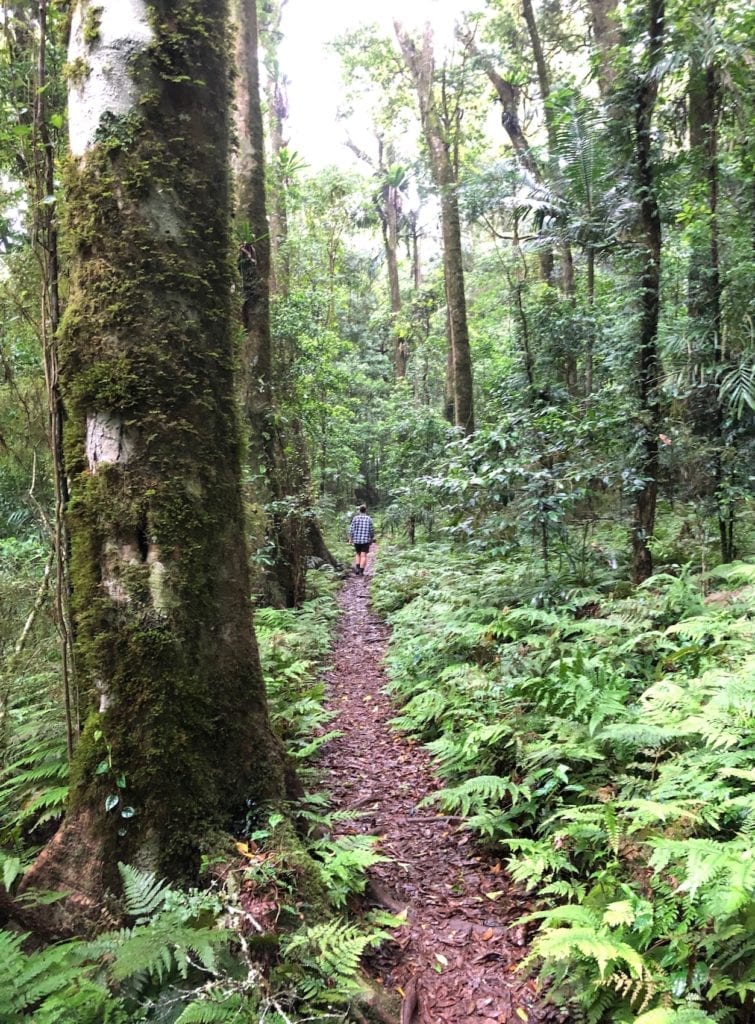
x=410, y=1003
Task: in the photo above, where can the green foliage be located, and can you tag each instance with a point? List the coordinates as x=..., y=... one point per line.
x=610, y=753
x=327, y=956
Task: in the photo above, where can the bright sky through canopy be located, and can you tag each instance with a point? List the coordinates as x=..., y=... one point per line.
x=313, y=69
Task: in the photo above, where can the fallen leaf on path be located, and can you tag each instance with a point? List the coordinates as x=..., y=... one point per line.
x=495, y=895
x=522, y=1014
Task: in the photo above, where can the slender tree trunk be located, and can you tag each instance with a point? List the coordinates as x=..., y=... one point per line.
x=605, y=26
x=277, y=111
x=590, y=344
x=704, y=288
x=392, y=214
x=567, y=260
x=45, y=234
x=508, y=96
x=649, y=286
x=286, y=524
x=293, y=527
x=421, y=68
x=177, y=739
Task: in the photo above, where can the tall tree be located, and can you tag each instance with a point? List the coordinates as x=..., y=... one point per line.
x=264, y=264
x=177, y=738
x=704, y=278
x=440, y=114
x=643, y=92
x=387, y=199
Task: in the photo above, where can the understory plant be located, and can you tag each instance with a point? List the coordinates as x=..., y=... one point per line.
x=604, y=745
x=262, y=939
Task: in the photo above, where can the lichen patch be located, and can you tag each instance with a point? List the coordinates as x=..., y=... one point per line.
x=109, y=84
x=108, y=440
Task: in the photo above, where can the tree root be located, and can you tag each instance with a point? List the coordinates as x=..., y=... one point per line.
x=375, y=1006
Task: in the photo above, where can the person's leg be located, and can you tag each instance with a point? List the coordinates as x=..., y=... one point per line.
x=362, y=561
x=357, y=556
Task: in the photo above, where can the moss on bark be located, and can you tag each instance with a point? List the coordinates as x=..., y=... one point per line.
x=166, y=651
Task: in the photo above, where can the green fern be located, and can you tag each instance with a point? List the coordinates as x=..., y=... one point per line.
x=328, y=957
x=143, y=893
x=52, y=983
x=476, y=794
x=225, y=1008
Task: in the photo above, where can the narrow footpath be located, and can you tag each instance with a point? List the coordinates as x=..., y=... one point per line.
x=455, y=961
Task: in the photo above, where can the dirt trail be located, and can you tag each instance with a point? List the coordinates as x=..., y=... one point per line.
x=456, y=958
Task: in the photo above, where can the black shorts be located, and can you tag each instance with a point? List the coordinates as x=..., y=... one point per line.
x=361, y=549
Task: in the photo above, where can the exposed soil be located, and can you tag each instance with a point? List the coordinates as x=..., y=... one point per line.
x=455, y=961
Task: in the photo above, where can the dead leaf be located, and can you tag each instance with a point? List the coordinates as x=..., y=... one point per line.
x=488, y=935
x=521, y=1013
x=442, y=959
x=495, y=895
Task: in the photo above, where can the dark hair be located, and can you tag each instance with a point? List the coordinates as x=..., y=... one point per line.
x=362, y=508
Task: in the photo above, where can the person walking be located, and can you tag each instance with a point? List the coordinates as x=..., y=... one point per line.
x=361, y=535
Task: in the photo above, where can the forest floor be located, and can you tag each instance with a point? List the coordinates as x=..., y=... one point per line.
x=455, y=960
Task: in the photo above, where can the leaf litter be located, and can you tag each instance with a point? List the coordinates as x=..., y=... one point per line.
x=455, y=960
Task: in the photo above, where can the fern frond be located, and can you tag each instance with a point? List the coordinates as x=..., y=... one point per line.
x=143, y=893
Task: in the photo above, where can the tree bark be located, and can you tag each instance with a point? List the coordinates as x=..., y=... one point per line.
x=421, y=66
x=508, y=96
x=607, y=35
x=293, y=528
x=277, y=112
x=177, y=738
x=649, y=286
x=704, y=286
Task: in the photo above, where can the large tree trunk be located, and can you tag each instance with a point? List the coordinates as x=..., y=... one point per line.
x=421, y=67
x=649, y=369
x=177, y=739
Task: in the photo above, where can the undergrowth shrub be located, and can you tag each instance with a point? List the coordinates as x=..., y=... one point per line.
x=197, y=956
x=606, y=744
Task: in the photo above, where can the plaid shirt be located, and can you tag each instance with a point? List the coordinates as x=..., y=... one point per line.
x=361, y=530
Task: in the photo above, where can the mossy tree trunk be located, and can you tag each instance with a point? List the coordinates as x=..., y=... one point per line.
x=649, y=287
x=178, y=738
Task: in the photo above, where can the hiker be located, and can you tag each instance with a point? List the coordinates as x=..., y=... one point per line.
x=361, y=535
